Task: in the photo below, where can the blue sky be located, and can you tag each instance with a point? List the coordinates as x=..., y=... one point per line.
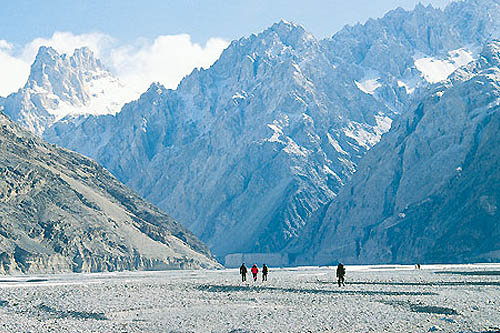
x=24, y=20
x=160, y=40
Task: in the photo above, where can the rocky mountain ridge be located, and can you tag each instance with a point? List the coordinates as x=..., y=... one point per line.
x=428, y=191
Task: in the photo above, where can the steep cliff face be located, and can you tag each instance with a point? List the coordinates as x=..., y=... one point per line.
x=62, y=86
x=246, y=152
x=62, y=212
x=429, y=191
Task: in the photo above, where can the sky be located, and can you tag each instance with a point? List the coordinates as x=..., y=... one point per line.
x=160, y=40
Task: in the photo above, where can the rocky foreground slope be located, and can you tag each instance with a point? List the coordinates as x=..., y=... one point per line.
x=429, y=191
x=62, y=212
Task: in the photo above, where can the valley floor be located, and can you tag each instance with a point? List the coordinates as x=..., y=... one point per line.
x=454, y=298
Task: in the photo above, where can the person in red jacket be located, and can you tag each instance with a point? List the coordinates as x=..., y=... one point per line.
x=254, y=271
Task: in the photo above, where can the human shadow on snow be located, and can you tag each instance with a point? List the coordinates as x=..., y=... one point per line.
x=71, y=314
x=236, y=288
x=23, y=281
x=421, y=308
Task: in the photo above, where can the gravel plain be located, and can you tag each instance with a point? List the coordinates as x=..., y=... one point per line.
x=447, y=298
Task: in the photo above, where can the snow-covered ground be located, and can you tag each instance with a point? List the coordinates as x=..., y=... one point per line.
x=454, y=298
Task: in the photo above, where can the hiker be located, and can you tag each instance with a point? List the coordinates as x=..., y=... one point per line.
x=340, y=274
x=243, y=272
x=254, y=271
x=265, y=270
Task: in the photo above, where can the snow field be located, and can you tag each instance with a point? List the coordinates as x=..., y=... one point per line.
x=375, y=299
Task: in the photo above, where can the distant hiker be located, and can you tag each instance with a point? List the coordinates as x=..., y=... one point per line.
x=243, y=272
x=254, y=271
x=340, y=274
x=265, y=270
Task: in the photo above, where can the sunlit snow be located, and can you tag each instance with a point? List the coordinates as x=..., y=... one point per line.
x=435, y=69
x=336, y=145
x=369, y=83
x=107, y=96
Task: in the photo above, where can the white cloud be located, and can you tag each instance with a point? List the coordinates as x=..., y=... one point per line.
x=66, y=42
x=13, y=71
x=167, y=59
x=5, y=45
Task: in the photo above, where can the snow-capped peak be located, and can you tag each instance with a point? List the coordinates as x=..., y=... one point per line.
x=60, y=85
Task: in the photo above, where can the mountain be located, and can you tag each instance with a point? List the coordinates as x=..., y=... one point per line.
x=62, y=212
x=246, y=152
x=250, y=147
x=62, y=86
x=429, y=190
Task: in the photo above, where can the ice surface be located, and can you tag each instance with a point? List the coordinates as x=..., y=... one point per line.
x=450, y=298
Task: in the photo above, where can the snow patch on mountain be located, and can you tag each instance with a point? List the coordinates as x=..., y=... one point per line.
x=107, y=96
x=369, y=83
x=294, y=149
x=383, y=125
x=335, y=144
x=277, y=132
x=409, y=85
x=435, y=69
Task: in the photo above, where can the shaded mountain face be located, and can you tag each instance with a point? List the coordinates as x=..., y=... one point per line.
x=244, y=153
x=62, y=86
x=62, y=212
x=429, y=191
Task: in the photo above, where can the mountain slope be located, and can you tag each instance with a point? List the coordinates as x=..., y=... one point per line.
x=429, y=191
x=60, y=211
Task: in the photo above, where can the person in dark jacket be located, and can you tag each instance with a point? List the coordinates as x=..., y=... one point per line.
x=265, y=270
x=340, y=274
x=243, y=272
x=254, y=271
